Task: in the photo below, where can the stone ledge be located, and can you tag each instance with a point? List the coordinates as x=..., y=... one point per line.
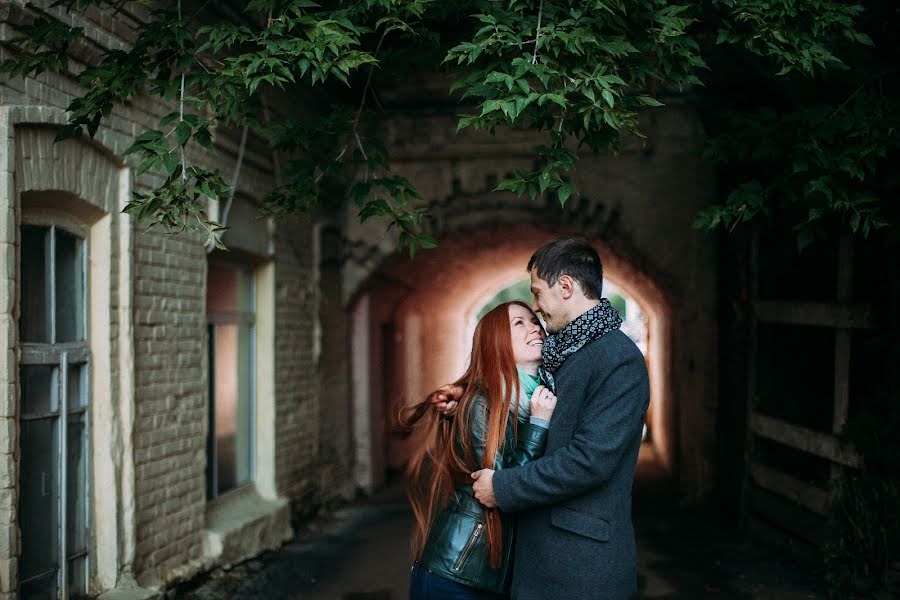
x=242, y=524
x=130, y=594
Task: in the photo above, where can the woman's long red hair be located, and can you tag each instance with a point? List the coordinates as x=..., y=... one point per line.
x=443, y=446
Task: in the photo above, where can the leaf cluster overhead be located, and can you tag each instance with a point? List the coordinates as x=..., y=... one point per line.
x=799, y=96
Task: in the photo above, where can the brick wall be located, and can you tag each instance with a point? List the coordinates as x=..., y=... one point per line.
x=170, y=345
x=296, y=389
x=335, y=439
x=171, y=402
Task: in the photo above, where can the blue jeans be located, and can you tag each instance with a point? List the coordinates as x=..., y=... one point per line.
x=425, y=585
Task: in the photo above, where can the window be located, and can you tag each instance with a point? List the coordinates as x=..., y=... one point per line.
x=53, y=444
x=230, y=307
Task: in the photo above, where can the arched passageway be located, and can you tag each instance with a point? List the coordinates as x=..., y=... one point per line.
x=412, y=320
x=413, y=323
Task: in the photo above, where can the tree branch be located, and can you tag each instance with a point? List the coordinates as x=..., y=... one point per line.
x=537, y=33
x=235, y=177
x=184, y=174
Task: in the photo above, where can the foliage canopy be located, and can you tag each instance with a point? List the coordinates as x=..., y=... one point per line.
x=799, y=96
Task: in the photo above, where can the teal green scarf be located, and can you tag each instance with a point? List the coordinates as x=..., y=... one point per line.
x=528, y=382
x=527, y=385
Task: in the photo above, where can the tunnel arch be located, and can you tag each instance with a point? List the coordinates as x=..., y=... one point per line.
x=412, y=325
x=638, y=205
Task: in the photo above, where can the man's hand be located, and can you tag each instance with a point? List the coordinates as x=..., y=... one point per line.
x=446, y=398
x=484, y=487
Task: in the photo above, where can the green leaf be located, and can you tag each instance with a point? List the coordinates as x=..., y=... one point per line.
x=511, y=185
x=864, y=39
x=648, y=101
x=544, y=181
x=132, y=149
x=509, y=109
x=564, y=192
x=169, y=118
x=490, y=106
x=149, y=136
x=556, y=98
x=373, y=208
x=608, y=96
x=202, y=137
x=148, y=164
x=171, y=161
x=183, y=133
x=426, y=242
x=617, y=48
x=495, y=77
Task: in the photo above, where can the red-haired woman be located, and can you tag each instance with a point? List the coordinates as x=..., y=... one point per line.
x=462, y=549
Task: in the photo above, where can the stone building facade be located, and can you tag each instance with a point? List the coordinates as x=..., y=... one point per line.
x=191, y=378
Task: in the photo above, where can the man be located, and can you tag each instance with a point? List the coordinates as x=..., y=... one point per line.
x=575, y=539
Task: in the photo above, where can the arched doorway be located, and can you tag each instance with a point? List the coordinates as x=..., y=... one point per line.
x=413, y=323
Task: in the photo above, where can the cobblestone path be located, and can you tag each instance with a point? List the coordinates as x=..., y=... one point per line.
x=360, y=553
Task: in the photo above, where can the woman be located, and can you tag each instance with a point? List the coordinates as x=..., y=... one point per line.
x=463, y=549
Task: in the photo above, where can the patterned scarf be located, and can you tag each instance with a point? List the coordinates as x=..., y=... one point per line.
x=590, y=326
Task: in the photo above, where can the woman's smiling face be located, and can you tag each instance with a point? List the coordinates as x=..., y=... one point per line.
x=527, y=337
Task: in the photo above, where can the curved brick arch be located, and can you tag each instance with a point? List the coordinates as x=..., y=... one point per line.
x=637, y=206
x=73, y=167
x=468, y=215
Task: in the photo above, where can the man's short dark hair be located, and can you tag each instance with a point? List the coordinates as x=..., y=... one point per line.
x=573, y=257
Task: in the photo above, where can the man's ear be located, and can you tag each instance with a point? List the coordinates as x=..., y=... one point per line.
x=567, y=286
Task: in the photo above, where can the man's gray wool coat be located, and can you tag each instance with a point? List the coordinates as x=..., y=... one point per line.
x=575, y=539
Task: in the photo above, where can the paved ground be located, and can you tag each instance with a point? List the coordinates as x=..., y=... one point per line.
x=360, y=552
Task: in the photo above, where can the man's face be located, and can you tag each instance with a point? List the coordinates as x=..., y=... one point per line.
x=549, y=302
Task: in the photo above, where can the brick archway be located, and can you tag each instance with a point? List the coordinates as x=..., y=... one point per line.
x=413, y=322
x=638, y=206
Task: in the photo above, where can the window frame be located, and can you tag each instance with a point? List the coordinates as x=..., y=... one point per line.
x=239, y=318
x=61, y=356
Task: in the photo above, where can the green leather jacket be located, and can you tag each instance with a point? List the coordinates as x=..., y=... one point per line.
x=457, y=542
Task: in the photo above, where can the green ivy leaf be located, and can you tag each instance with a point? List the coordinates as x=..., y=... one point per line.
x=607, y=95
x=183, y=133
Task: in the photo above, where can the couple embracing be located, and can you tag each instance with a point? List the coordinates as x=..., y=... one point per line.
x=524, y=488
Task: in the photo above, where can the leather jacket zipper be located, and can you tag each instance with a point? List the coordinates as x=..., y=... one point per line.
x=468, y=549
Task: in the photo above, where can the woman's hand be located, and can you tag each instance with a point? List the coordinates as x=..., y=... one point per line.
x=543, y=401
x=445, y=399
